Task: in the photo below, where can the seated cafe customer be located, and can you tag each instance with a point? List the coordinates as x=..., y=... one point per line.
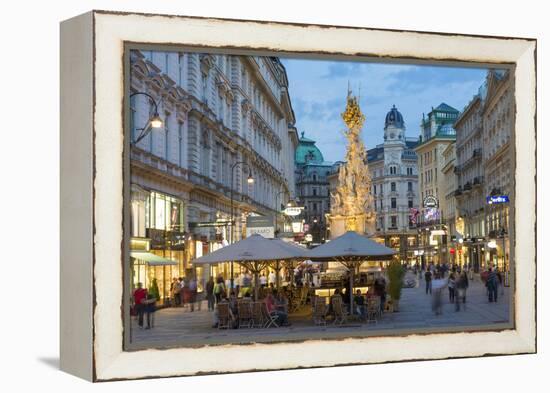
x=281, y=302
x=335, y=295
x=282, y=316
x=359, y=303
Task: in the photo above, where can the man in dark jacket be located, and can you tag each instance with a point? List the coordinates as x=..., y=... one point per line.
x=210, y=293
x=492, y=285
x=428, y=279
x=461, y=286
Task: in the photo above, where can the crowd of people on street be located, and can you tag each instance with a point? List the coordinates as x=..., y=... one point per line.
x=456, y=279
x=183, y=292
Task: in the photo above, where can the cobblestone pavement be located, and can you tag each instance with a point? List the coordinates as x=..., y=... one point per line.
x=180, y=326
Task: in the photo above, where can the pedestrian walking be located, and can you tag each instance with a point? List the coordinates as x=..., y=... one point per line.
x=150, y=308
x=219, y=289
x=499, y=277
x=272, y=278
x=263, y=281
x=428, y=279
x=461, y=286
x=451, y=285
x=192, y=293
x=210, y=293
x=140, y=296
x=492, y=285
x=438, y=285
x=380, y=291
x=175, y=292
x=181, y=282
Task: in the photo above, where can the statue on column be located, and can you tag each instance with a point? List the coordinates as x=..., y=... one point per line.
x=352, y=202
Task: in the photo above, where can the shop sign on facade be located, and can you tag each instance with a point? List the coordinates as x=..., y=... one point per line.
x=158, y=238
x=496, y=199
x=293, y=211
x=177, y=240
x=430, y=202
x=260, y=225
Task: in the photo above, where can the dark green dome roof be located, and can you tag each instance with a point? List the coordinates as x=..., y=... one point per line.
x=307, y=152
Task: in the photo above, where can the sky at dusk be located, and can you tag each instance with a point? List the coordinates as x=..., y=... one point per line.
x=318, y=92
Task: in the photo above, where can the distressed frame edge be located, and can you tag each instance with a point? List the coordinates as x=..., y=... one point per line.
x=76, y=196
x=528, y=339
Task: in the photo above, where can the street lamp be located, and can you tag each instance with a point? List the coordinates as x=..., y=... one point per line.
x=249, y=180
x=154, y=122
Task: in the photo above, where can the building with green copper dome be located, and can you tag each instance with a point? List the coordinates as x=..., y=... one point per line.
x=312, y=186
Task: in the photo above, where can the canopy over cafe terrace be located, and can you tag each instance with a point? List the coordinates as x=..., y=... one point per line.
x=351, y=261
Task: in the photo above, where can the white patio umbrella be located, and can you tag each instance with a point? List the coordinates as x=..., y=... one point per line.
x=351, y=249
x=254, y=253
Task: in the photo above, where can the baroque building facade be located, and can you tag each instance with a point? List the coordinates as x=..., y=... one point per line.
x=470, y=193
x=394, y=173
x=485, y=170
x=448, y=172
x=437, y=133
x=312, y=187
x=498, y=129
x=224, y=118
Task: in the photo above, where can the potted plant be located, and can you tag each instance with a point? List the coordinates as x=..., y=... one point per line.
x=395, y=276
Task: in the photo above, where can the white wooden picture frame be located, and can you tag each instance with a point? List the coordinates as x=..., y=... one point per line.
x=92, y=192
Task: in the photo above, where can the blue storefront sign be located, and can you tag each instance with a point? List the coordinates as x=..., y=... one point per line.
x=494, y=199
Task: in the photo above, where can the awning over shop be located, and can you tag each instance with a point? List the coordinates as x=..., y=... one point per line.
x=152, y=259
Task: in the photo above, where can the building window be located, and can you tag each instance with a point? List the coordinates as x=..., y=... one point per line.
x=409, y=171
x=394, y=221
x=410, y=203
x=220, y=107
x=381, y=204
x=314, y=192
x=204, y=87
x=205, y=154
x=180, y=143
x=314, y=207
x=409, y=186
x=393, y=170
x=166, y=135
x=374, y=189
x=394, y=203
x=392, y=186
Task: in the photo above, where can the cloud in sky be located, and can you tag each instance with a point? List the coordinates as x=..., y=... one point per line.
x=318, y=92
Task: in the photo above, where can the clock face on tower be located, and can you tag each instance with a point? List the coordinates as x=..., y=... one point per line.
x=392, y=135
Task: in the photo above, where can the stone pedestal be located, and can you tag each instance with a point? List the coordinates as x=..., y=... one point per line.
x=362, y=224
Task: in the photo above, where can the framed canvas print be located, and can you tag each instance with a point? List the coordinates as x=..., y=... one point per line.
x=246, y=195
